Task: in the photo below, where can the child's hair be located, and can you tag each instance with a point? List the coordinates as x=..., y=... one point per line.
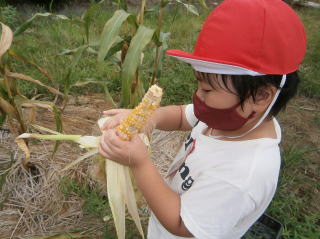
x=248, y=86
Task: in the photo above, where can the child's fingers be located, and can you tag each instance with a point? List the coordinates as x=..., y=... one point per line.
x=113, y=111
x=113, y=140
x=112, y=123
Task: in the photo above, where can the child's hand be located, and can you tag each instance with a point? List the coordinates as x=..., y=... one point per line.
x=131, y=153
x=118, y=115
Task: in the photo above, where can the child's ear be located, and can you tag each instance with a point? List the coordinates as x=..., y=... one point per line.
x=264, y=97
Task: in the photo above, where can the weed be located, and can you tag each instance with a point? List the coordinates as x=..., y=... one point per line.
x=292, y=203
x=310, y=68
x=94, y=203
x=9, y=16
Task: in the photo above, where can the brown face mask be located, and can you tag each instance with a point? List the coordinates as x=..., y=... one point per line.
x=221, y=119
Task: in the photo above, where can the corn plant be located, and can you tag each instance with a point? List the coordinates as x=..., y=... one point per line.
x=12, y=102
x=126, y=50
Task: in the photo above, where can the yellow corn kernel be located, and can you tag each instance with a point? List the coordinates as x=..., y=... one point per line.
x=139, y=115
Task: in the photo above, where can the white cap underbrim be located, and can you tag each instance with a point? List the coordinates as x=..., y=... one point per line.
x=217, y=68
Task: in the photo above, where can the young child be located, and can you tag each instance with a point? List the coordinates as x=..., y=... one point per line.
x=225, y=175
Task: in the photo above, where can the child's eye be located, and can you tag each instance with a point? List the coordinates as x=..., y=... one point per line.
x=206, y=91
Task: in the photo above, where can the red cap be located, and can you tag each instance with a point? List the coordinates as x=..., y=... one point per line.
x=252, y=37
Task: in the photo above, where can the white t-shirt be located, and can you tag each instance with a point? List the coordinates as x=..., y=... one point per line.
x=224, y=186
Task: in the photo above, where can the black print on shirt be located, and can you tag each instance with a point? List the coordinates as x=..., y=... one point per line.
x=188, y=141
x=188, y=181
x=184, y=171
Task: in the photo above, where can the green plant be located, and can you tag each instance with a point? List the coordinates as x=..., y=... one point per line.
x=9, y=15
x=94, y=203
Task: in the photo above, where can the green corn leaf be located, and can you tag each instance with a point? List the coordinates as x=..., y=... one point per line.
x=191, y=8
x=110, y=32
x=133, y=60
x=27, y=24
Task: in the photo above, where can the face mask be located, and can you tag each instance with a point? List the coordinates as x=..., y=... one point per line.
x=221, y=119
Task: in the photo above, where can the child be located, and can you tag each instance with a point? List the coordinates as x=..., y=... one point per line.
x=226, y=173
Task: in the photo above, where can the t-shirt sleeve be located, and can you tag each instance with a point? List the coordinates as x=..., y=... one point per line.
x=191, y=118
x=211, y=207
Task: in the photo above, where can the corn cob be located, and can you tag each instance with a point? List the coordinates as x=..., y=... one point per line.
x=140, y=115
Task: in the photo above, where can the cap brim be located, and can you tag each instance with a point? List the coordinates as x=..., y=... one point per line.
x=209, y=65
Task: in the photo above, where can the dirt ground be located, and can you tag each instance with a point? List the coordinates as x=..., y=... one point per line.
x=33, y=205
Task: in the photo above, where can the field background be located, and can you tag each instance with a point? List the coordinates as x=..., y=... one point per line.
x=296, y=202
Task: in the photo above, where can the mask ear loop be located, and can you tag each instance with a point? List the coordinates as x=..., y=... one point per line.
x=283, y=81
